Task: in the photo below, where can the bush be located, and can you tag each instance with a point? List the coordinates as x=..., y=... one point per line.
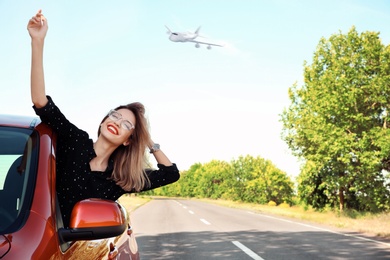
x=284, y=205
x=272, y=203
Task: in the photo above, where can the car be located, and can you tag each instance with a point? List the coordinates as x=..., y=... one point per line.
x=30, y=220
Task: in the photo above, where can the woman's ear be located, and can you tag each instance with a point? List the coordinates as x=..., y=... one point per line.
x=126, y=143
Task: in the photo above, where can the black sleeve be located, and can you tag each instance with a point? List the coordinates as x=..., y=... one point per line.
x=163, y=176
x=51, y=115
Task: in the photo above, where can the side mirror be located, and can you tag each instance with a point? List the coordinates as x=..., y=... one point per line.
x=95, y=219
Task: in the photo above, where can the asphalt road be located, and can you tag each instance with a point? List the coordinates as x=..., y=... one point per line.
x=189, y=229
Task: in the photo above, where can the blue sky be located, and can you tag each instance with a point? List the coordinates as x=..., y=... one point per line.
x=202, y=104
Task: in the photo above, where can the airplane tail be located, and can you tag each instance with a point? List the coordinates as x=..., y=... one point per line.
x=197, y=31
x=169, y=30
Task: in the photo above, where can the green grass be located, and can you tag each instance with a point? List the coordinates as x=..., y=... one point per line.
x=370, y=224
x=132, y=202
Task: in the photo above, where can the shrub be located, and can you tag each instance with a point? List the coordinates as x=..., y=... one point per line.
x=271, y=203
x=284, y=205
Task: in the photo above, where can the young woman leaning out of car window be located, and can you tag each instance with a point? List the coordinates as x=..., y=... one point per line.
x=113, y=165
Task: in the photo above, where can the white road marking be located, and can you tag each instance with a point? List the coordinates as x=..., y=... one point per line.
x=324, y=229
x=205, y=221
x=191, y=212
x=247, y=251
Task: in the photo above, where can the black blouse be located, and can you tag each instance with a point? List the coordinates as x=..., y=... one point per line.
x=75, y=180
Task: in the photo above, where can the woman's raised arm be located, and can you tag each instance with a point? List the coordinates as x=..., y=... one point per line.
x=37, y=28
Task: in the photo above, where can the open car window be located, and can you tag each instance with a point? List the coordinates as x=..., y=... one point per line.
x=18, y=164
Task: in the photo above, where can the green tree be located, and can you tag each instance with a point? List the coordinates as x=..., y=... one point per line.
x=337, y=122
x=246, y=179
x=188, y=181
x=213, y=179
x=258, y=180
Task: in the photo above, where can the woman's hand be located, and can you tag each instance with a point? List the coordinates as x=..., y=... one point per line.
x=37, y=26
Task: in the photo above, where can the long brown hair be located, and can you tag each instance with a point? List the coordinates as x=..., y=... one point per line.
x=130, y=161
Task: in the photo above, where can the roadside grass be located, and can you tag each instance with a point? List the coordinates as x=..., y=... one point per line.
x=367, y=223
x=131, y=201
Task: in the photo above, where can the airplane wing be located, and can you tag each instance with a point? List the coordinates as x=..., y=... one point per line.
x=206, y=42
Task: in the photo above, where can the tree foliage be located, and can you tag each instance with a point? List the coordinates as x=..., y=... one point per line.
x=246, y=179
x=338, y=123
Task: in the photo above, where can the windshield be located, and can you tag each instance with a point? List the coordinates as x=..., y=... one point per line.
x=18, y=160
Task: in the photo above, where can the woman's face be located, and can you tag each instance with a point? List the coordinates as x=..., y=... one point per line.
x=118, y=126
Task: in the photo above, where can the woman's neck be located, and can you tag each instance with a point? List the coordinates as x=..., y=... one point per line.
x=103, y=152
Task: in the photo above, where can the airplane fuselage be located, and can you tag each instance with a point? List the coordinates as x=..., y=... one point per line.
x=182, y=37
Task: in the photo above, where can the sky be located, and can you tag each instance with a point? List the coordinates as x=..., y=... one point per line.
x=202, y=104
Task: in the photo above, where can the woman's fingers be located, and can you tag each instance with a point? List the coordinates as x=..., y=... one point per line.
x=43, y=19
x=39, y=18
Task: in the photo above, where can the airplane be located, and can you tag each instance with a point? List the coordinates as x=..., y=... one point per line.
x=190, y=37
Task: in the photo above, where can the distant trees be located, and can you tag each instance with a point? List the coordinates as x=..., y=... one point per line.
x=338, y=123
x=246, y=179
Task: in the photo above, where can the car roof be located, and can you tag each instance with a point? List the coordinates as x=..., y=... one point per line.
x=19, y=121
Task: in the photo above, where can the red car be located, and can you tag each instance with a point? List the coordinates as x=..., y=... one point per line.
x=30, y=221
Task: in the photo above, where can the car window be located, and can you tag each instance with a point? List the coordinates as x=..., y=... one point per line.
x=5, y=163
x=18, y=151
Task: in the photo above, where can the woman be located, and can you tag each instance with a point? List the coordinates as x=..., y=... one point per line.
x=114, y=164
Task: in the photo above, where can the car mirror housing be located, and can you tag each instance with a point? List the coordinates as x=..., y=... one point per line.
x=95, y=219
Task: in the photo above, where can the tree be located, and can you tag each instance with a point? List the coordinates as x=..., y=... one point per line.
x=213, y=180
x=338, y=123
x=246, y=179
x=258, y=180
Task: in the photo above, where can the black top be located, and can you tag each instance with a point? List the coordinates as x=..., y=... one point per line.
x=75, y=180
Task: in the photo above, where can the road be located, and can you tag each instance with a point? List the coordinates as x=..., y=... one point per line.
x=190, y=229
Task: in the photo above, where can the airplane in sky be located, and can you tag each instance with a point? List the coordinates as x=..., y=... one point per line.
x=190, y=37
